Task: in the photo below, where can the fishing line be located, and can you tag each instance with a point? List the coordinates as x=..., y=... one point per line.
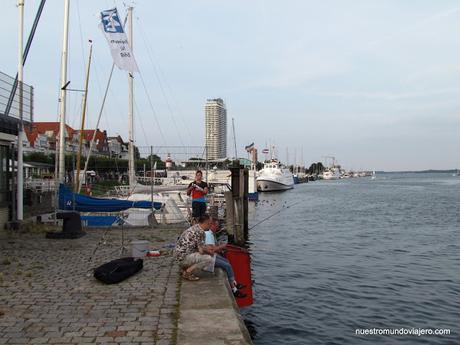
x=274, y=214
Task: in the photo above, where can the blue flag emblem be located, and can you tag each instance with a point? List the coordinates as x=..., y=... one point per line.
x=111, y=21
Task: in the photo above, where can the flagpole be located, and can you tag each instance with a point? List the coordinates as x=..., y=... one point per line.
x=62, y=98
x=20, y=164
x=131, y=172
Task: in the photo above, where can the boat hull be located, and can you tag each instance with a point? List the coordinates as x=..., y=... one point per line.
x=253, y=196
x=272, y=186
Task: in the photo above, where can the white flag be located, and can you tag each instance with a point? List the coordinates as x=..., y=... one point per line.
x=118, y=42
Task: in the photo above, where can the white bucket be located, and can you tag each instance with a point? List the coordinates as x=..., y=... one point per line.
x=139, y=248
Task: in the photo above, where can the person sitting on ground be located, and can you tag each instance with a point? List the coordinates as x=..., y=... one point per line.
x=210, y=237
x=198, y=190
x=190, y=251
x=221, y=261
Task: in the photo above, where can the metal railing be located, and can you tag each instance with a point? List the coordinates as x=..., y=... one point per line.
x=6, y=86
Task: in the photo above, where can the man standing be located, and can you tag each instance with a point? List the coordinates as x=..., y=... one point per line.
x=190, y=251
x=198, y=189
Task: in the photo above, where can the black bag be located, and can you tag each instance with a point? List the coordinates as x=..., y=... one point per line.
x=118, y=270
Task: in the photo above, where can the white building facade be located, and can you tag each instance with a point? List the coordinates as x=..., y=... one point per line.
x=216, y=128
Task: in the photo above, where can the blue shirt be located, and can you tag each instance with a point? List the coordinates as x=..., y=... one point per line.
x=209, y=238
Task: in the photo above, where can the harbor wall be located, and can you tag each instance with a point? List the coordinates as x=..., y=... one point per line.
x=208, y=313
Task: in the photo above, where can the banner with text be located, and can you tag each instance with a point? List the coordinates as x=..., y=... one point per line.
x=118, y=42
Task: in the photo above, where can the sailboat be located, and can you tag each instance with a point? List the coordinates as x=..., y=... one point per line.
x=69, y=200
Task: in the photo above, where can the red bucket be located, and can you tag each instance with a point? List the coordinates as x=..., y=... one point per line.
x=240, y=260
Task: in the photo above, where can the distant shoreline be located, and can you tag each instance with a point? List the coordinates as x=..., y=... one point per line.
x=431, y=171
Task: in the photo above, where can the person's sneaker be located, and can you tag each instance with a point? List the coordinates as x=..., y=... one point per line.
x=239, y=294
x=240, y=286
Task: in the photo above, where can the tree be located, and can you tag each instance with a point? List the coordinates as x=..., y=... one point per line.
x=155, y=159
x=316, y=168
x=39, y=157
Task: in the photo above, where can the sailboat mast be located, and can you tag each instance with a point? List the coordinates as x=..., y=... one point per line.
x=234, y=138
x=62, y=97
x=20, y=176
x=83, y=115
x=131, y=172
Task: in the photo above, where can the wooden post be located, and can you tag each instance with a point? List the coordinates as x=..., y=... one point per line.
x=246, y=204
x=229, y=214
x=237, y=207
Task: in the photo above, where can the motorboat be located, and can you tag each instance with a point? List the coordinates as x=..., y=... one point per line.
x=331, y=174
x=274, y=177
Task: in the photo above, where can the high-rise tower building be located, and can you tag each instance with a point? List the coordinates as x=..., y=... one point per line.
x=216, y=128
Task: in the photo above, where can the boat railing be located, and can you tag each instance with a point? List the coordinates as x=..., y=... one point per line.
x=122, y=190
x=40, y=185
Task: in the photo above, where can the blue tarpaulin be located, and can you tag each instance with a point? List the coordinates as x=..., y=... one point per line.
x=69, y=200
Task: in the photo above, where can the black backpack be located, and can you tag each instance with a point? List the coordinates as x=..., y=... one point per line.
x=118, y=270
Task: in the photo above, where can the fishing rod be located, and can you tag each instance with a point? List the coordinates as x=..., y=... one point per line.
x=274, y=214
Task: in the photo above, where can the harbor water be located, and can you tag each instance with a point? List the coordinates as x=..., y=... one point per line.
x=357, y=254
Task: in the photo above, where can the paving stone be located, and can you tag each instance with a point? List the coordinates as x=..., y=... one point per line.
x=18, y=340
x=60, y=340
x=104, y=339
x=123, y=339
x=83, y=340
x=61, y=303
x=163, y=342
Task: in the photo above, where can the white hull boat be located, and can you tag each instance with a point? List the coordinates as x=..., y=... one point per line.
x=274, y=177
x=333, y=174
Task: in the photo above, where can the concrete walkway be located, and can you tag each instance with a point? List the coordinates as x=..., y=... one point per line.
x=209, y=314
x=49, y=296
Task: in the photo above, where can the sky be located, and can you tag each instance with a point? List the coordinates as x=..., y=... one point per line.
x=374, y=83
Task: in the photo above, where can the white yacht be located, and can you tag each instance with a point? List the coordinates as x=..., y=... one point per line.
x=274, y=177
x=331, y=174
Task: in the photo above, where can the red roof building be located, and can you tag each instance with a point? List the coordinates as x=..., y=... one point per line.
x=102, y=145
x=45, y=135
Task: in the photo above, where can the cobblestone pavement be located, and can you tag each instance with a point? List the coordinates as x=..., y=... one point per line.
x=49, y=296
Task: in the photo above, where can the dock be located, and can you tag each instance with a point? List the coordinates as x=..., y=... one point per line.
x=209, y=314
x=49, y=296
